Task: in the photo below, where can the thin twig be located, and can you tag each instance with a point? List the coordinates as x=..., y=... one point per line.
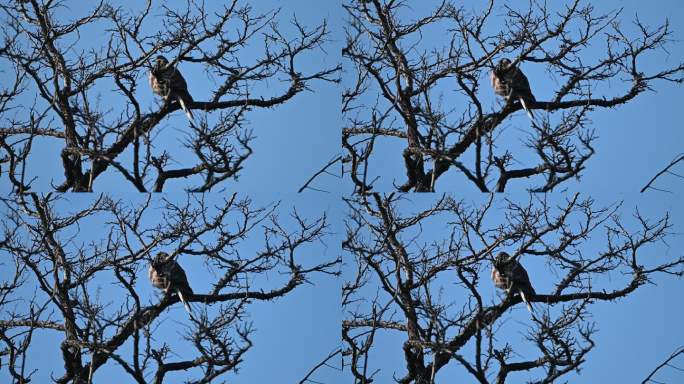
x=675, y=161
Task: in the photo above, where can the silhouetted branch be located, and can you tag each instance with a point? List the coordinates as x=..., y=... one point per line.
x=391, y=61
x=666, y=363
x=119, y=134
x=664, y=170
x=396, y=254
x=66, y=272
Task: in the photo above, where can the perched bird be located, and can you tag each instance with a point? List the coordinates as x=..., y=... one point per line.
x=509, y=82
x=166, y=274
x=167, y=82
x=508, y=274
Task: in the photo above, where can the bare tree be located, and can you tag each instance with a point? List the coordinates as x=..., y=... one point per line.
x=403, y=81
x=667, y=170
x=89, y=98
x=666, y=363
x=431, y=292
x=59, y=281
x=329, y=362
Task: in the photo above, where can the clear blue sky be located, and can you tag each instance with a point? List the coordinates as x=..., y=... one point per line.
x=292, y=333
x=292, y=141
x=634, y=142
x=634, y=333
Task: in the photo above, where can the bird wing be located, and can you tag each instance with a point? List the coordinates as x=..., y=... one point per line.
x=521, y=85
x=178, y=84
x=178, y=279
x=178, y=87
x=179, y=282
x=521, y=279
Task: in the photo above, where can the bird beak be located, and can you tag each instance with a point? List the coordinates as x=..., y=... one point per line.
x=173, y=256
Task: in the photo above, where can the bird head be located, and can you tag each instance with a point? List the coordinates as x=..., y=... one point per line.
x=160, y=61
x=501, y=260
x=503, y=65
x=161, y=259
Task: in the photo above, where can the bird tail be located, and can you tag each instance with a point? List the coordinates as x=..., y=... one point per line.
x=185, y=302
x=187, y=110
x=529, y=111
x=527, y=302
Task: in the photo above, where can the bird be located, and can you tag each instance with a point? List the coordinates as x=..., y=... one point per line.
x=510, y=82
x=509, y=275
x=167, y=275
x=167, y=82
